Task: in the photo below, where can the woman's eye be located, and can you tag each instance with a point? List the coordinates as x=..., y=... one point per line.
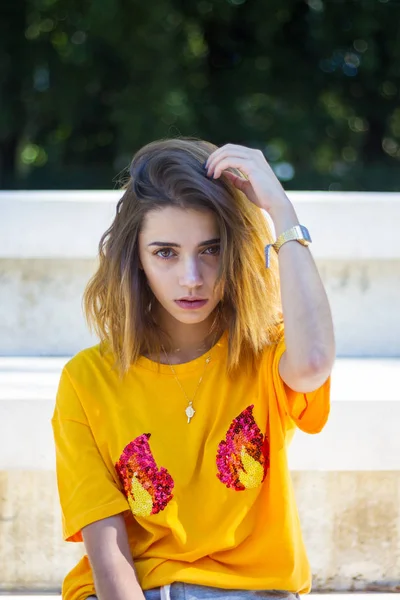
x=164, y=253
x=213, y=250
x=169, y=253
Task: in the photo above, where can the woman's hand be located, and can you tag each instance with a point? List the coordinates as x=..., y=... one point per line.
x=260, y=184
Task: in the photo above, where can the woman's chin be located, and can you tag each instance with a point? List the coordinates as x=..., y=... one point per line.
x=185, y=316
x=191, y=317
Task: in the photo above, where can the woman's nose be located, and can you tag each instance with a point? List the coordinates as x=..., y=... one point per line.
x=191, y=276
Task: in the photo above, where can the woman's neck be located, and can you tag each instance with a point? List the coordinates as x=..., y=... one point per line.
x=186, y=342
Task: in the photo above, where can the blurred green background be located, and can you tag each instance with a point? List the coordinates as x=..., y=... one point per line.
x=314, y=84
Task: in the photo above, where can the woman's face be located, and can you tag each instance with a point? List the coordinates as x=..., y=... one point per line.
x=179, y=250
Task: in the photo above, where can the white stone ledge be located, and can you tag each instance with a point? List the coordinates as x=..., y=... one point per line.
x=68, y=224
x=355, y=379
x=361, y=434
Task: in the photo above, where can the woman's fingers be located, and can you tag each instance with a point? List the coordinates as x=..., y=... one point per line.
x=237, y=162
x=234, y=152
x=224, y=152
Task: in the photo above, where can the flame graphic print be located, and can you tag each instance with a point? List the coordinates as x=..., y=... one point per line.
x=243, y=457
x=147, y=489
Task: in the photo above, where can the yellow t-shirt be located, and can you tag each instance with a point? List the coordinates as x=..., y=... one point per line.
x=210, y=502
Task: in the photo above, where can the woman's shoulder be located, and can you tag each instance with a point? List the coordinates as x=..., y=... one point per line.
x=91, y=359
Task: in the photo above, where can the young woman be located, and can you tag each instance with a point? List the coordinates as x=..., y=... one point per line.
x=171, y=433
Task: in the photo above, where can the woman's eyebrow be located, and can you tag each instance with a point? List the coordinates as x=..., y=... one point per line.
x=174, y=245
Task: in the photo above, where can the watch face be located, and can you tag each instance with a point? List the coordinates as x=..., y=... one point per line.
x=307, y=237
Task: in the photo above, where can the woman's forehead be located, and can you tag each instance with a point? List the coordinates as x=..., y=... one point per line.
x=183, y=223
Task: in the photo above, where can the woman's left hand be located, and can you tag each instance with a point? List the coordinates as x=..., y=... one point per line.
x=261, y=186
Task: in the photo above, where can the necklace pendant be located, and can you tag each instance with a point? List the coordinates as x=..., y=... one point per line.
x=190, y=412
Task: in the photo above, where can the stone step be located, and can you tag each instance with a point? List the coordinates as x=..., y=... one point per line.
x=356, y=379
x=362, y=429
x=43, y=275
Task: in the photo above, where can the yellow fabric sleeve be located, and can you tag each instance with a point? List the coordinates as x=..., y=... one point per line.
x=87, y=488
x=309, y=411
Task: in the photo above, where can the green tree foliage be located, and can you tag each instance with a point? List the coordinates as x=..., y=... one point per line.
x=314, y=84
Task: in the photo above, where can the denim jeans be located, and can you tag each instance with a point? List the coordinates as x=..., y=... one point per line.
x=189, y=591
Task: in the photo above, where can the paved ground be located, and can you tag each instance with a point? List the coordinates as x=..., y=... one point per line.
x=341, y=596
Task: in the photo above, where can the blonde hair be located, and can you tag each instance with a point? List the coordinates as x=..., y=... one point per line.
x=118, y=301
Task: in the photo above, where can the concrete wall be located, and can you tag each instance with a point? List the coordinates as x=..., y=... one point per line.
x=350, y=523
x=41, y=312
x=48, y=246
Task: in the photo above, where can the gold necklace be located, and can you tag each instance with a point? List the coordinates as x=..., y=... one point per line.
x=189, y=411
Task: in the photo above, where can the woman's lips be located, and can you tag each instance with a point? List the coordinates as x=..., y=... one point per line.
x=191, y=304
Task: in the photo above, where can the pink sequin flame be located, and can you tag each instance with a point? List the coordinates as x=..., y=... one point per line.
x=243, y=434
x=137, y=461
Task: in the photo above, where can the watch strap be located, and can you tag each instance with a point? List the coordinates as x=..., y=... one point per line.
x=298, y=233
